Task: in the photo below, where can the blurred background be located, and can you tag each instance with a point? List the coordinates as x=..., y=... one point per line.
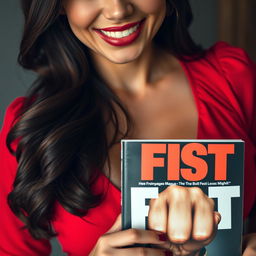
x=236, y=23
x=232, y=21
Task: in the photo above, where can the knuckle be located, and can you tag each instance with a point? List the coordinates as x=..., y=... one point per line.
x=155, y=207
x=174, y=188
x=153, y=223
x=197, y=191
x=211, y=202
x=177, y=191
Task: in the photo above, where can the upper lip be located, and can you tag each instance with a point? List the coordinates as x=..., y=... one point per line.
x=121, y=28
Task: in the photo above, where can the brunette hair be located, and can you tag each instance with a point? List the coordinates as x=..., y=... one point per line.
x=60, y=128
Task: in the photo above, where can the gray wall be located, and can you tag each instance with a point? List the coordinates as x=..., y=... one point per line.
x=204, y=28
x=14, y=80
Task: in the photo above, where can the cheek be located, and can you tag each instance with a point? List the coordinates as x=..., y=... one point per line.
x=81, y=16
x=150, y=6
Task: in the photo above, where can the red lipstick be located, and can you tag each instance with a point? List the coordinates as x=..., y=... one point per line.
x=121, y=28
x=122, y=41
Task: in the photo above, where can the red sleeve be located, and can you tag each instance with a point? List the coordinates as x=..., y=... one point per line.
x=13, y=239
x=240, y=72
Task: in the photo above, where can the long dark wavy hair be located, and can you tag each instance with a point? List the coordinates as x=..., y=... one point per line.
x=60, y=128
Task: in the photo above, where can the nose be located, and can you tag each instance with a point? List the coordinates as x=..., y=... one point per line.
x=117, y=9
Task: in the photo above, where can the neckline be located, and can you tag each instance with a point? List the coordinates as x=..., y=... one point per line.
x=192, y=86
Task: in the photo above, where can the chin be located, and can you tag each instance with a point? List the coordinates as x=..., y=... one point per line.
x=123, y=58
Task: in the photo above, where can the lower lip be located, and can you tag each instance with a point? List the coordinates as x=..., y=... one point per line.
x=124, y=40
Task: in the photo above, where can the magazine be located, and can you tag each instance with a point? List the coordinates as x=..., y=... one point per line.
x=215, y=166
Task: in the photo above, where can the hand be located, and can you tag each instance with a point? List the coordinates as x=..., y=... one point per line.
x=187, y=216
x=249, y=245
x=112, y=242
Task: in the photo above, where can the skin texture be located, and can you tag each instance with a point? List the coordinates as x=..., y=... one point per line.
x=109, y=243
x=140, y=77
x=197, y=221
x=85, y=15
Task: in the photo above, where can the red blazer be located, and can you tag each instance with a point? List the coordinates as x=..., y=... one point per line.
x=224, y=88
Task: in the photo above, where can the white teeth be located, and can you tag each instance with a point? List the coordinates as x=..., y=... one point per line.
x=125, y=33
x=120, y=34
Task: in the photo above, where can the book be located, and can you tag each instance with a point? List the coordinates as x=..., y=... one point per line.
x=215, y=166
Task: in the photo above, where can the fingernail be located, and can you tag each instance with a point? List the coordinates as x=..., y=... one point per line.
x=168, y=253
x=162, y=237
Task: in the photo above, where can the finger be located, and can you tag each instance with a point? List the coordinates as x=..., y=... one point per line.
x=204, y=221
x=117, y=225
x=194, y=245
x=180, y=216
x=157, y=215
x=141, y=251
x=133, y=236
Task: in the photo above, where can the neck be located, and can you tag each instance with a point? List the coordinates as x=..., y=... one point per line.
x=130, y=78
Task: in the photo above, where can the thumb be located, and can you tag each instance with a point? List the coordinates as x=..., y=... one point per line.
x=117, y=225
x=217, y=217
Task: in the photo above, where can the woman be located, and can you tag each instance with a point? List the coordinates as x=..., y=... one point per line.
x=107, y=68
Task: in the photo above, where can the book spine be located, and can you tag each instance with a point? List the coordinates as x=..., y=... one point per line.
x=124, y=187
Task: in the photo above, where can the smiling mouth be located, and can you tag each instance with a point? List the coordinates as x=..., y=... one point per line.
x=123, y=35
x=120, y=34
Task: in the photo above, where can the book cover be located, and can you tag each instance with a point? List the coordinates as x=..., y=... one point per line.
x=215, y=166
